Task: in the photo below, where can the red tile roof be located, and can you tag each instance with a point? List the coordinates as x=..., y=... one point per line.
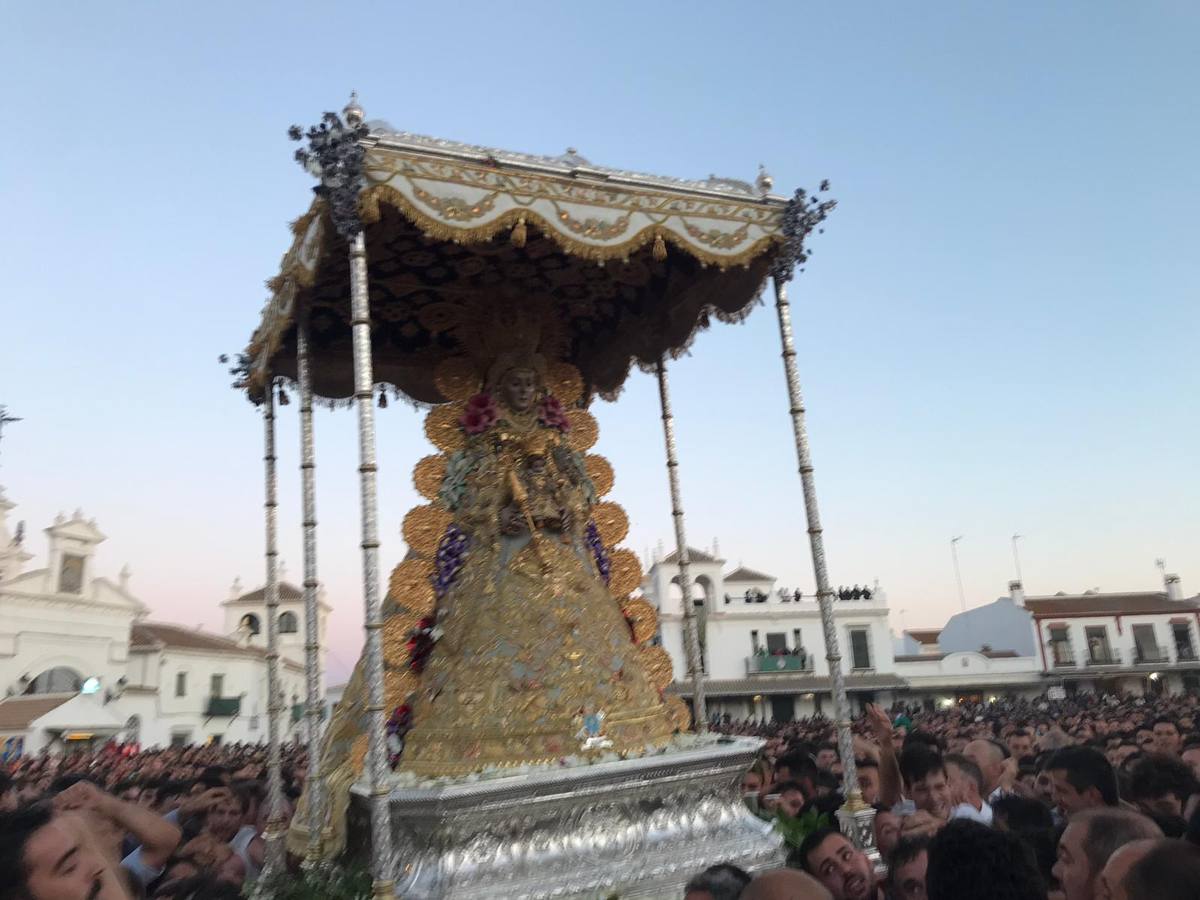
x=1127, y=604
x=287, y=591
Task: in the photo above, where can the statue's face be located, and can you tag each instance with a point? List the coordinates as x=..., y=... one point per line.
x=518, y=387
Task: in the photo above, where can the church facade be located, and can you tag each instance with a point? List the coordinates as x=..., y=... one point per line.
x=82, y=662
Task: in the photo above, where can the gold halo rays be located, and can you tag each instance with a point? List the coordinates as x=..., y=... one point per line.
x=564, y=382
x=423, y=528
x=611, y=522
x=428, y=475
x=442, y=428
x=642, y=618
x=656, y=663
x=411, y=585
x=584, y=430
x=625, y=572
x=600, y=471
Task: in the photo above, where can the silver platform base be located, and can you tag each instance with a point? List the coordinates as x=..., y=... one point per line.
x=634, y=828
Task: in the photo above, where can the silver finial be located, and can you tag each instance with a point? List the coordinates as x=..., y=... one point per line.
x=353, y=113
x=764, y=182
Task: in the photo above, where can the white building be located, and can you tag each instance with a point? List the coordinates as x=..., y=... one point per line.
x=763, y=650
x=80, y=662
x=1135, y=642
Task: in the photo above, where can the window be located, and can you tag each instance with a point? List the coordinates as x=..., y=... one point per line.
x=1182, y=634
x=70, y=574
x=753, y=641
x=1099, y=653
x=1060, y=646
x=250, y=623
x=796, y=642
x=776, y=643
x=860, y=648
x=180, y=738
x=181, y=684
x=216, y=686
x=1145, y=645
x=288, y=623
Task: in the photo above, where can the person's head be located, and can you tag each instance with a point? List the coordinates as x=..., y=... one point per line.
x=1021, y=814
x=1161, y=784
x=784, y=884
x=1191, y=756
x=1145, y=738
x=841, y=867
x=224, y=817
x=129, y=790
x=966, y=780
x=720, y=882
x=989, y=756
x=967, y=859
x=1089, y=840
x=757, y=778
x=887, y=830
x=925, y=782
x=827, y=755
x=1169, y=871
x=1020, y=743
x=791, y=798
x=519, y=387
x=1166, y=736
x=44, y=856
x=1081, y=778
x=868, y=779
x=906, y=869
x=799, y=767
x=1110, y=884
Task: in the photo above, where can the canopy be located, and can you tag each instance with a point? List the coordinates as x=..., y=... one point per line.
x=627, y=267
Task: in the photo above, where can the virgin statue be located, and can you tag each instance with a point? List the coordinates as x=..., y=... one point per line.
x=509, y=637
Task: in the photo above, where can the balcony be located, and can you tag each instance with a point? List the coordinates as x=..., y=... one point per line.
x=1061, y=658
x=223, y=707
x=1154, y=657
x=1103, y=656
x=1184, y=653
x=769, y=665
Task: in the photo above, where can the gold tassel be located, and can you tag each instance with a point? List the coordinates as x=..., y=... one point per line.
x=660, y=247
x=518, y=233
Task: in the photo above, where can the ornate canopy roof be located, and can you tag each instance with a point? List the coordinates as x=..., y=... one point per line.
x=629, y=266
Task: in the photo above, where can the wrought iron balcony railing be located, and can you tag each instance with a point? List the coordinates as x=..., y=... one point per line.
x=223, y=707
x=760, y=665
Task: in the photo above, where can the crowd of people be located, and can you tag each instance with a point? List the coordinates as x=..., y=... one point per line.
x=1092, y=797
x=1087, y=798
x=178, y=824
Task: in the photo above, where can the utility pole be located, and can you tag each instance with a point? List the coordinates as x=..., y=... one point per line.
x=962, y=597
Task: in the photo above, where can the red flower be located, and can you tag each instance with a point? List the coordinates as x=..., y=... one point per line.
x=551, y=415
x=480, y=415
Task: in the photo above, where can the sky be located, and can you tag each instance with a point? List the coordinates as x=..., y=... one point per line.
x=997, y=333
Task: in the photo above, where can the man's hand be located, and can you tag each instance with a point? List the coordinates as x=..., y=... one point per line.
x=206, y=801
x=920, y=824
x=1008, y=775
x=880, y=725
x=86, y=797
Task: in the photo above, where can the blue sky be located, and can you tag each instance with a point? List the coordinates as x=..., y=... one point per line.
x=997, y=333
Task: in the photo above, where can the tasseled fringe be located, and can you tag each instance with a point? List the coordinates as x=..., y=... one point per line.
x=660, y=247
x=517, y=238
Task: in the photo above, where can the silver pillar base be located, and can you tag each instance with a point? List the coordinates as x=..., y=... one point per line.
x=637, y=828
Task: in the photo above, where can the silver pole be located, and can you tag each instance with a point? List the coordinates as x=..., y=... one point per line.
x=312, y=613
x=377, y=762
x=855, y=816
x=275, y=860
x=691, y=632
x=962, y=597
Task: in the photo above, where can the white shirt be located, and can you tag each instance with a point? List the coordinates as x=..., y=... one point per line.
x=967, y=811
